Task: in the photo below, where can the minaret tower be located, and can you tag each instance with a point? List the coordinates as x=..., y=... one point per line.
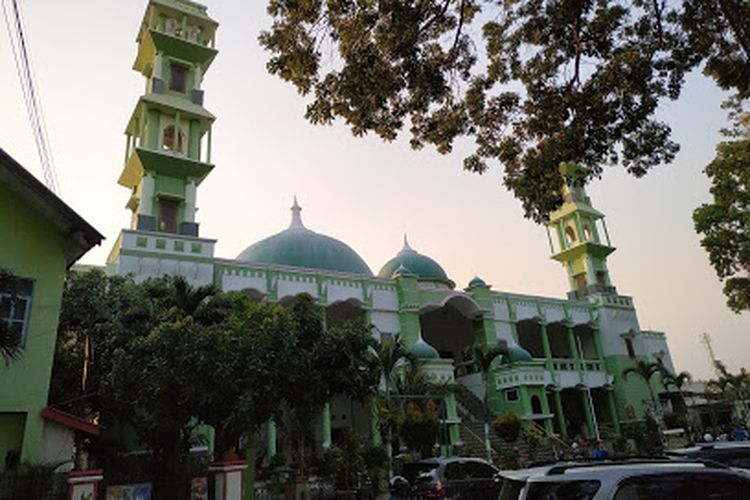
x=582, y=241
x=168, y=152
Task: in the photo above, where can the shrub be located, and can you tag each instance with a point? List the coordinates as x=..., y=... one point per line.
x=419, y=427
x=508, y=427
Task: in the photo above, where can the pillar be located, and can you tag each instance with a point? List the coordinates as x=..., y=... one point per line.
x=546, y=347
x=147, y=195
x=574, y=348
x=228, y=479
x=190, y=199
x=326, y=426
x=590, y=424
x=271, y=435
x=375, y=436
x=560, y=415
x=83, y=484
x=451, y=414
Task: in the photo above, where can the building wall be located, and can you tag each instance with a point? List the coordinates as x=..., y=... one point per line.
x=36, y=251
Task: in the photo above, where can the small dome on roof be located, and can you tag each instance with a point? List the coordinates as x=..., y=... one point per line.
x=298, y=246
x=516, y=354
x=423, y=350
x=477, y=281
x=419, y=265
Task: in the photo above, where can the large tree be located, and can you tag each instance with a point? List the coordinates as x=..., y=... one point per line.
x=724, y=223
x=550, y=80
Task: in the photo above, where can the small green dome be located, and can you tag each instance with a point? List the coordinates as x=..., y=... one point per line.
x=298, y=246
x=476, y=281
x=516, y=354
x=417, y=264
x=423, y=350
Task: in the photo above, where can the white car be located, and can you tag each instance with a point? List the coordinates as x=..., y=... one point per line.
x=641, y=479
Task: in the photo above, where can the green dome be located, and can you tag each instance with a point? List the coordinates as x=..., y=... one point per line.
x=476, y=281
x=417, y=264
x=516, y=354
x=298, y=246
x=423, y=350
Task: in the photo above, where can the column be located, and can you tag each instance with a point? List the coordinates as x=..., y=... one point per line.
x=451, y=414
x=190, y=195
x=271, y=435
x=375, y=436
x=613, y=410
x=573, y=348
x=588, y=414
x=147, y=195
x=157, y=66
x=545, y=345
x=560, y=415
x=590, y=275
x=326, y=426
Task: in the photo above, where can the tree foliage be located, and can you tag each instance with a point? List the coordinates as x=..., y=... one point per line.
x=724, y=223
x=549, y=81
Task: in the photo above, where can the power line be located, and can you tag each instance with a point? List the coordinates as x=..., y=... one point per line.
x=28, y=88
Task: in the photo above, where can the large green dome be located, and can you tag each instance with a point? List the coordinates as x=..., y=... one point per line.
x=298, y=246
x=419, y=265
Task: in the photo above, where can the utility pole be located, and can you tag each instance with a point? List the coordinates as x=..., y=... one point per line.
x=705, y=339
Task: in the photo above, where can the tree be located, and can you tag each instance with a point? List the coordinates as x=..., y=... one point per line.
x=551, y=81
x=10, y=340
x=725, y=222
x=390, y=353
x=731, y=386
x=645, y=370
x=483, y=356
x=677, y=381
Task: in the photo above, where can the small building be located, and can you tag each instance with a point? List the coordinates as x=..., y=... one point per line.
x=40, y=238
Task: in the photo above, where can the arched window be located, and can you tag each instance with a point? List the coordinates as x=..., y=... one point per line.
x=587, y=233
x=570, y=235
x=536, y=405
x=168, y=140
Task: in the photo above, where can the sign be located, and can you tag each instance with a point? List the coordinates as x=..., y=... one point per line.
x=129, y=492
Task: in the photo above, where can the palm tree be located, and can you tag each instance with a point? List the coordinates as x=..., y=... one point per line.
x=646, y=370
x=187, y=298
x=390, y=353
x=676, y=380
x=483, y=356
x=736, y=387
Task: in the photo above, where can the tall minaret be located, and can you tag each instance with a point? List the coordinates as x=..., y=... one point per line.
x=168, y=151
x=578, y=229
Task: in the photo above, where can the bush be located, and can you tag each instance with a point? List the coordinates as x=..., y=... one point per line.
x=508, y=427
x=674, y=421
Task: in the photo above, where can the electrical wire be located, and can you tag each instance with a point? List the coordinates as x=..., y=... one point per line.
x=19, y=48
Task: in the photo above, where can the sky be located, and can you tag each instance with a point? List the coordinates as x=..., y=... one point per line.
x=361, y=190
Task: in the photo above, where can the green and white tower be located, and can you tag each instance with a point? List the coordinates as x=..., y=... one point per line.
x=578, y=229
x=168, y=150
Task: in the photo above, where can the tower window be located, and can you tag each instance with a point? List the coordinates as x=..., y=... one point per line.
x=570, y=235
x=587, y=233
x=178, y=78
x=168, y=215
x=168, y=140
x=581, y=285
x=511, y=395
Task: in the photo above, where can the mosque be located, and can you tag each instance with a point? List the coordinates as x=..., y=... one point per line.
x=565, y=359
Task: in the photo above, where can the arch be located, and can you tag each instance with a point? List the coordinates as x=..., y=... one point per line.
x=588, y=235
x=341, y=311
x=168, y=142
x=570, y=235
x=451, y=325
x=464, y=304
x=530, y=337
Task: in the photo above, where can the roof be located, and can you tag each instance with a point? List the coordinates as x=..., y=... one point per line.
x=80, y=234
x=70, y=421
x=300, y=247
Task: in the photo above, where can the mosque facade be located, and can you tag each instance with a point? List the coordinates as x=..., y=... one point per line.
x=565, y=356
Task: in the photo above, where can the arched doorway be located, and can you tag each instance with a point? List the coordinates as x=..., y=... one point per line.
x=451, y=327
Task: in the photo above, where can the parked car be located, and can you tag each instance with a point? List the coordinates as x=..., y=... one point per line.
x=732, y=453
x=454, y=478
x=648, y=479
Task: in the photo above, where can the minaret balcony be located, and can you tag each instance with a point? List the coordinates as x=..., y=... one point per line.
x=177, y=45
x=164, y=163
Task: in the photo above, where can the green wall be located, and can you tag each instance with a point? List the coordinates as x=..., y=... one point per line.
x=36, y=251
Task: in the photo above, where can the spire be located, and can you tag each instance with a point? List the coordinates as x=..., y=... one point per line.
x=406, y=248
x=296, y=216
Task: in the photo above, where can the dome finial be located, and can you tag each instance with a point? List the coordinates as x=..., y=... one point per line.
x=296, y=216
x=407, y=248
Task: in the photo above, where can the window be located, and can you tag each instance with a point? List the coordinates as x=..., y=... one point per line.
x=536, y=405
x=168, y=215
x=570, y=235
x=583, y=289
x=687, y=485
x=629, y=347
x=568, y=490
x=587, y=234
x=15, y=305
x=511, y=395
x=168, y=140
x=178, y=78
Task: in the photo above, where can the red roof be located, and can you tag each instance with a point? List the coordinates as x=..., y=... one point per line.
x=70, y=421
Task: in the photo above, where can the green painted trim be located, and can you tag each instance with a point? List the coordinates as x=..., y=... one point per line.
x=166, y=256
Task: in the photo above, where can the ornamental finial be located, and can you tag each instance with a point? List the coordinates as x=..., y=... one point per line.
x=296, y=216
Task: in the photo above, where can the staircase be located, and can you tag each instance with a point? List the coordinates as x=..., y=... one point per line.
x=472, y=412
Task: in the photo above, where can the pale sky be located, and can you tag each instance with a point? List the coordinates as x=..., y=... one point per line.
x=362, y=191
